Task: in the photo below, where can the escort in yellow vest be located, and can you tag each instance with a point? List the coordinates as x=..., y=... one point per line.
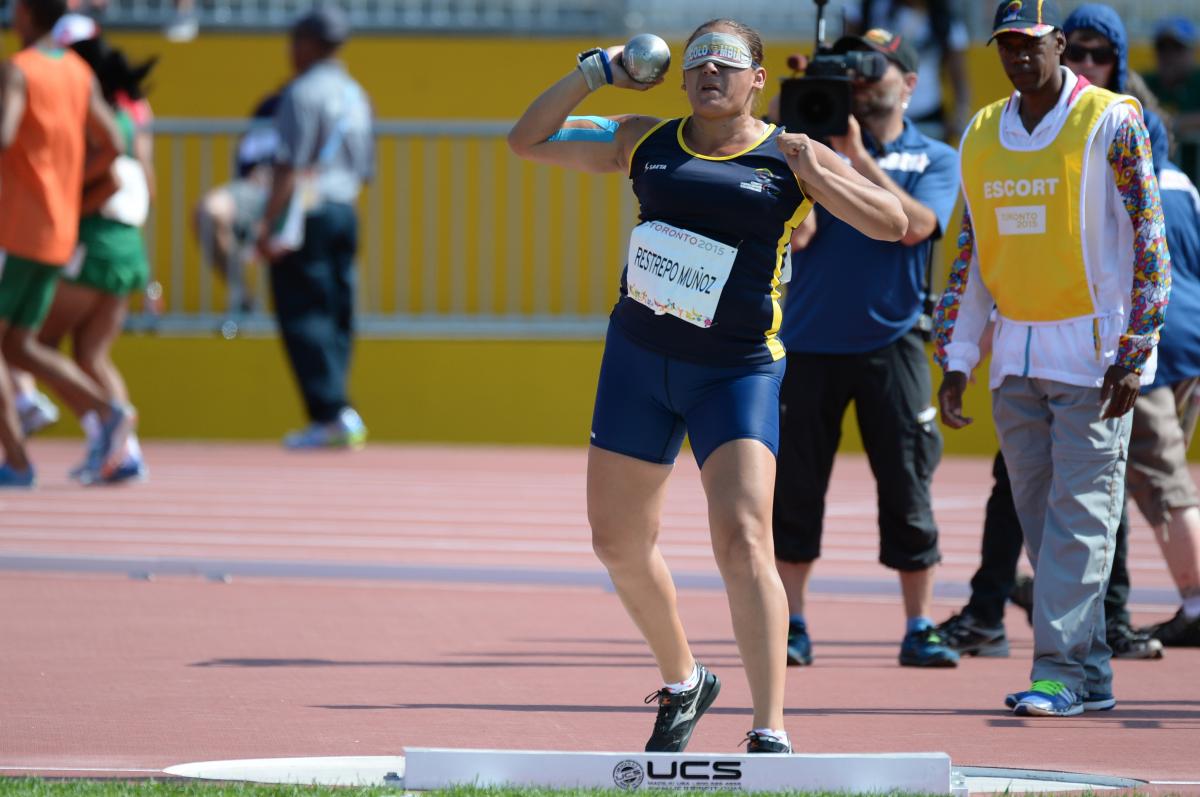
x=1053, y=244
x=1029, y=229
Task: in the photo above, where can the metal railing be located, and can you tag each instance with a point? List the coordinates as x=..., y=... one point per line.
x=776, y=19
x=540, y=17
x=412, y=16
x=456, y=238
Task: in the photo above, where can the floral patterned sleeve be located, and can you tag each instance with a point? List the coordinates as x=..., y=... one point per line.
x=1129, y=156
x=946, y=312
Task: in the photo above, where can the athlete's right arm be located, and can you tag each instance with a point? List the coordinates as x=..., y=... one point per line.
x=544, y=133
x=12, y=102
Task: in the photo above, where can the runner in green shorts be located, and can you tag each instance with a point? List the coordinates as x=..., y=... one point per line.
x=26, y=291
x=92, y=300
x=57, y=135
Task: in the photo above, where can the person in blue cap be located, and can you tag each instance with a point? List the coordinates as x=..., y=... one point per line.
x=1063, y=238
x=1097, y=50
x=1157, y=477
x=1176, y=82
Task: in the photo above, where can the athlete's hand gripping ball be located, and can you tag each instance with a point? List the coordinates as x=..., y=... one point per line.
x=646, y=58
x=621, y=78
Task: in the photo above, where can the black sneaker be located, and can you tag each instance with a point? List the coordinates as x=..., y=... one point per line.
x=926, y=648
x=1129, y=644
x=799, y=646
x=1178, y=632
x=1022, y=595
x=678, y=713
x=757, y=743
x=963, y=633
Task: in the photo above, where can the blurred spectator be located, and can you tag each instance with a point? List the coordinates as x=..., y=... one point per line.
x=326, y=151
x=57, y=146
x=938, y=32
x=1176, y=83
x=227, y=216
x=91, y=301
x=185, y=25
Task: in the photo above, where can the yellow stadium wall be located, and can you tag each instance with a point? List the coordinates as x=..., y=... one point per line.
x=536, y=392
x=420, y=390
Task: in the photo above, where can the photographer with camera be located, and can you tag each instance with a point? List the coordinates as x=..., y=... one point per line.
x=854, y=324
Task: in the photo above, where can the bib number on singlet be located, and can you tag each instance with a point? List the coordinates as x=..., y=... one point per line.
x=677, y=272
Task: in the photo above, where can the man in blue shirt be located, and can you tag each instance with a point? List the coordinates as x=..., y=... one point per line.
x=852, y=325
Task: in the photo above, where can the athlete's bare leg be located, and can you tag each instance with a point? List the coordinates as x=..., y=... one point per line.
x=739, y=480
x=625, y=498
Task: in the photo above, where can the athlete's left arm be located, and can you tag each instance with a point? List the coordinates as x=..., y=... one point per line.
x=845, y=193
x=1129, y=157
x=12, y=102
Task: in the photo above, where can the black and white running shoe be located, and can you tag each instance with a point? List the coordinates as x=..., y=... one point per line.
x=678, y=713
x=762, y=743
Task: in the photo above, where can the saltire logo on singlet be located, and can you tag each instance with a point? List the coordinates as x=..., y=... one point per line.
x=763, y=183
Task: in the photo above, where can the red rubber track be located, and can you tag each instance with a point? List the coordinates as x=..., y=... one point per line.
x=247, y=602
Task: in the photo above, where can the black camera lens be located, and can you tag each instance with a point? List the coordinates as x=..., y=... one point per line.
x=819, y=107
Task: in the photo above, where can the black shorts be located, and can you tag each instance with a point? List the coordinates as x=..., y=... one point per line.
x=891, y=391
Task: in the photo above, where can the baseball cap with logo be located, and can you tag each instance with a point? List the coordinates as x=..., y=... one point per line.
x=892, y=45
x=1030, y=17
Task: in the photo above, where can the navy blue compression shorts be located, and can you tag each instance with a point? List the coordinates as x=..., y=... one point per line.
x=646, y=401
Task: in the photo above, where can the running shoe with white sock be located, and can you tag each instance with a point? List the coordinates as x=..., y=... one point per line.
x=104, y=453
x=678, y=712
x=132, y=467
x=763, y=741
x=36, y=412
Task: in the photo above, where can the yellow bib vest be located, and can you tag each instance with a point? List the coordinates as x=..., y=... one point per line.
x=1027, y=210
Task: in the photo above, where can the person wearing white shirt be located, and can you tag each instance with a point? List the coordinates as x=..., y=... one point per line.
x=1063, y=235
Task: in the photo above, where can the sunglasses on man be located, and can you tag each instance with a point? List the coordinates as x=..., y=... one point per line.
x=1101, y=56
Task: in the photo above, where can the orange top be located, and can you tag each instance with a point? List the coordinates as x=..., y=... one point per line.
x=41, y=174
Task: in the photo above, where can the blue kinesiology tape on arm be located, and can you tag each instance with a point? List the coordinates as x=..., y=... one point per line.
x=605, y=130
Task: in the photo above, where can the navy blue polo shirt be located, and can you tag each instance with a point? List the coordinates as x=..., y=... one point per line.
x=1179, y=346
x=850, y=294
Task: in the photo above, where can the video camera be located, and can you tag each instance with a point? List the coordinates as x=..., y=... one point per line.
x=818, y=104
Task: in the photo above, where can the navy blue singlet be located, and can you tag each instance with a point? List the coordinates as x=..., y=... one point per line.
x=750, y=200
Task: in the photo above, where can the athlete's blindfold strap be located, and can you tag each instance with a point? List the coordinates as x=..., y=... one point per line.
x=719, y=48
